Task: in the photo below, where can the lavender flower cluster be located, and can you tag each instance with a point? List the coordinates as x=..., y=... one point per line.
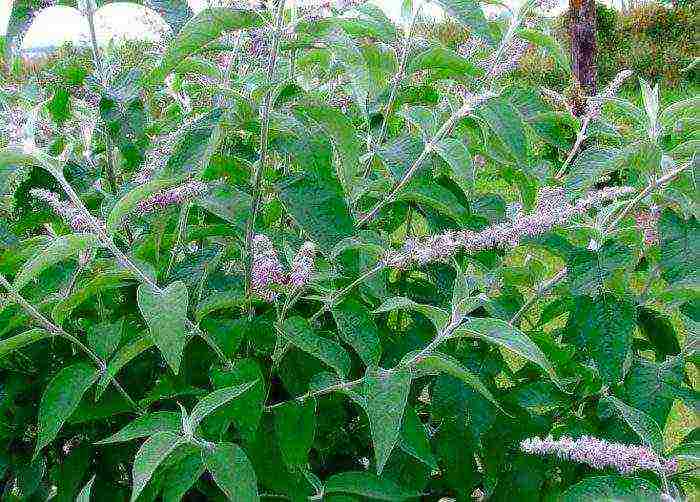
x=267, y=274
x=647, y=221
x=601, y=454
x=177, y=195
x=75, y=218
x=552, y=209
x=156, y=157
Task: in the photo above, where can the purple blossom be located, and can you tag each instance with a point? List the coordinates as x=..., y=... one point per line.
x=552, y=208
x=156, y=157
x=601, y=454
x=647, y=221
x=177, y=195
x=303, y=265
x=266, y=269
x=74, y=217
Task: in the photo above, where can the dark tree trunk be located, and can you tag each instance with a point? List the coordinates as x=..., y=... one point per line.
x=582, y=26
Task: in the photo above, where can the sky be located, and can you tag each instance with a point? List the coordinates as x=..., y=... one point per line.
x=56, y=25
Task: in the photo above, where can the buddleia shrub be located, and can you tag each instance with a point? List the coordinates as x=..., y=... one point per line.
x=314, y=255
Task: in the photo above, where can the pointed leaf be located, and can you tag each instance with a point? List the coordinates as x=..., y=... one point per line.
x=599, y=488
x=357, y=328
x=61, y=398
x=457, y=156
x=298, y=331
x=205, y=27
x=641, y=423
x=9, y=345
x=414, y=440
x=387, y=394
x=680, y=253
x=123, y=356
x=366, y=484
x=215, y=400
x=446, y=62
x=181, y=476
x=589, y=270
x=469, y=14
x=438, y=316
x=232, y=471
x=437, y=363
x=61, y=248
x=147, y=425
x=151, y=454
x=502, y=333
x=165, y=313
x=295, y=425
x=507, y=124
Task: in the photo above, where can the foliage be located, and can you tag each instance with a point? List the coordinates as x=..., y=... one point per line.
x=303, y=255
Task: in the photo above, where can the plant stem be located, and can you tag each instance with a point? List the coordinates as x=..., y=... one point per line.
x=427, y=150
x=317, y=393
x=126, y=262
x=579, y=141
x=398, y=78
x=264, y=136
x=58, y=331
x=339, y=294
x=549, y=284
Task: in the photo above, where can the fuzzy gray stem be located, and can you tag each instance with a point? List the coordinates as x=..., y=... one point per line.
x=60, y=332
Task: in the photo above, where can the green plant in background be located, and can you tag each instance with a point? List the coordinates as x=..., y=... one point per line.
x=312, y=255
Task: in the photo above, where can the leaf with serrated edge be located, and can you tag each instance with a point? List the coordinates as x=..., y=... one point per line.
x=166, y=313
x=60, y=399
x=146, y=425
x=641, y=423
x=151, y=454
x=387, y=395
x=232, y=471
x=218, y=398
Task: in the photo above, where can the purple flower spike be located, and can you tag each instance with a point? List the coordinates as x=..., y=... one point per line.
x=67, y=211
x=303, y=265
x=552, y=209
x=601, y=454
x=266, y=269
x=177, y=195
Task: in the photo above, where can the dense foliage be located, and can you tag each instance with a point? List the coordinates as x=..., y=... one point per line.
x=310, y=256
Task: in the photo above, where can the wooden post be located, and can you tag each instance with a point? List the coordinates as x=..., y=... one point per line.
x=582, y=29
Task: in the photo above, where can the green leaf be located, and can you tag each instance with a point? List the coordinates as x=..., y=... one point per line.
x=611, y=488
x=147, y=425
x=9, y=345
x=365, y=484
x=100, y=282
x=60, y=399
x=61, y=248
x=343, y=136
x=502, y=333
x=205, y=27
x=469, y=14
x=165, y=313
x=127, y=204
x=84, y=495
x=588, y=270
x=298, y=331
x=228, y=203
x=247, y=410
x=447, y=62
x=317, y=205
x=556, y=128
x=457, y=156
x=152, y=453
x=181, y=476
x=687, y=451
x=606, y=325
x=437, y=316
x=104, y=338
x=295, y=425
x=680, y=253
x=232, y=471
x=641, y=423
x=387, y=394
x=437, y=362
x=426, y=192
x=357, y=328
x=688, y=108
x=507, y=124
x=216, y=399
x=125, y=355
x=414, y=440
x=589, y=167
x=549, y=43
